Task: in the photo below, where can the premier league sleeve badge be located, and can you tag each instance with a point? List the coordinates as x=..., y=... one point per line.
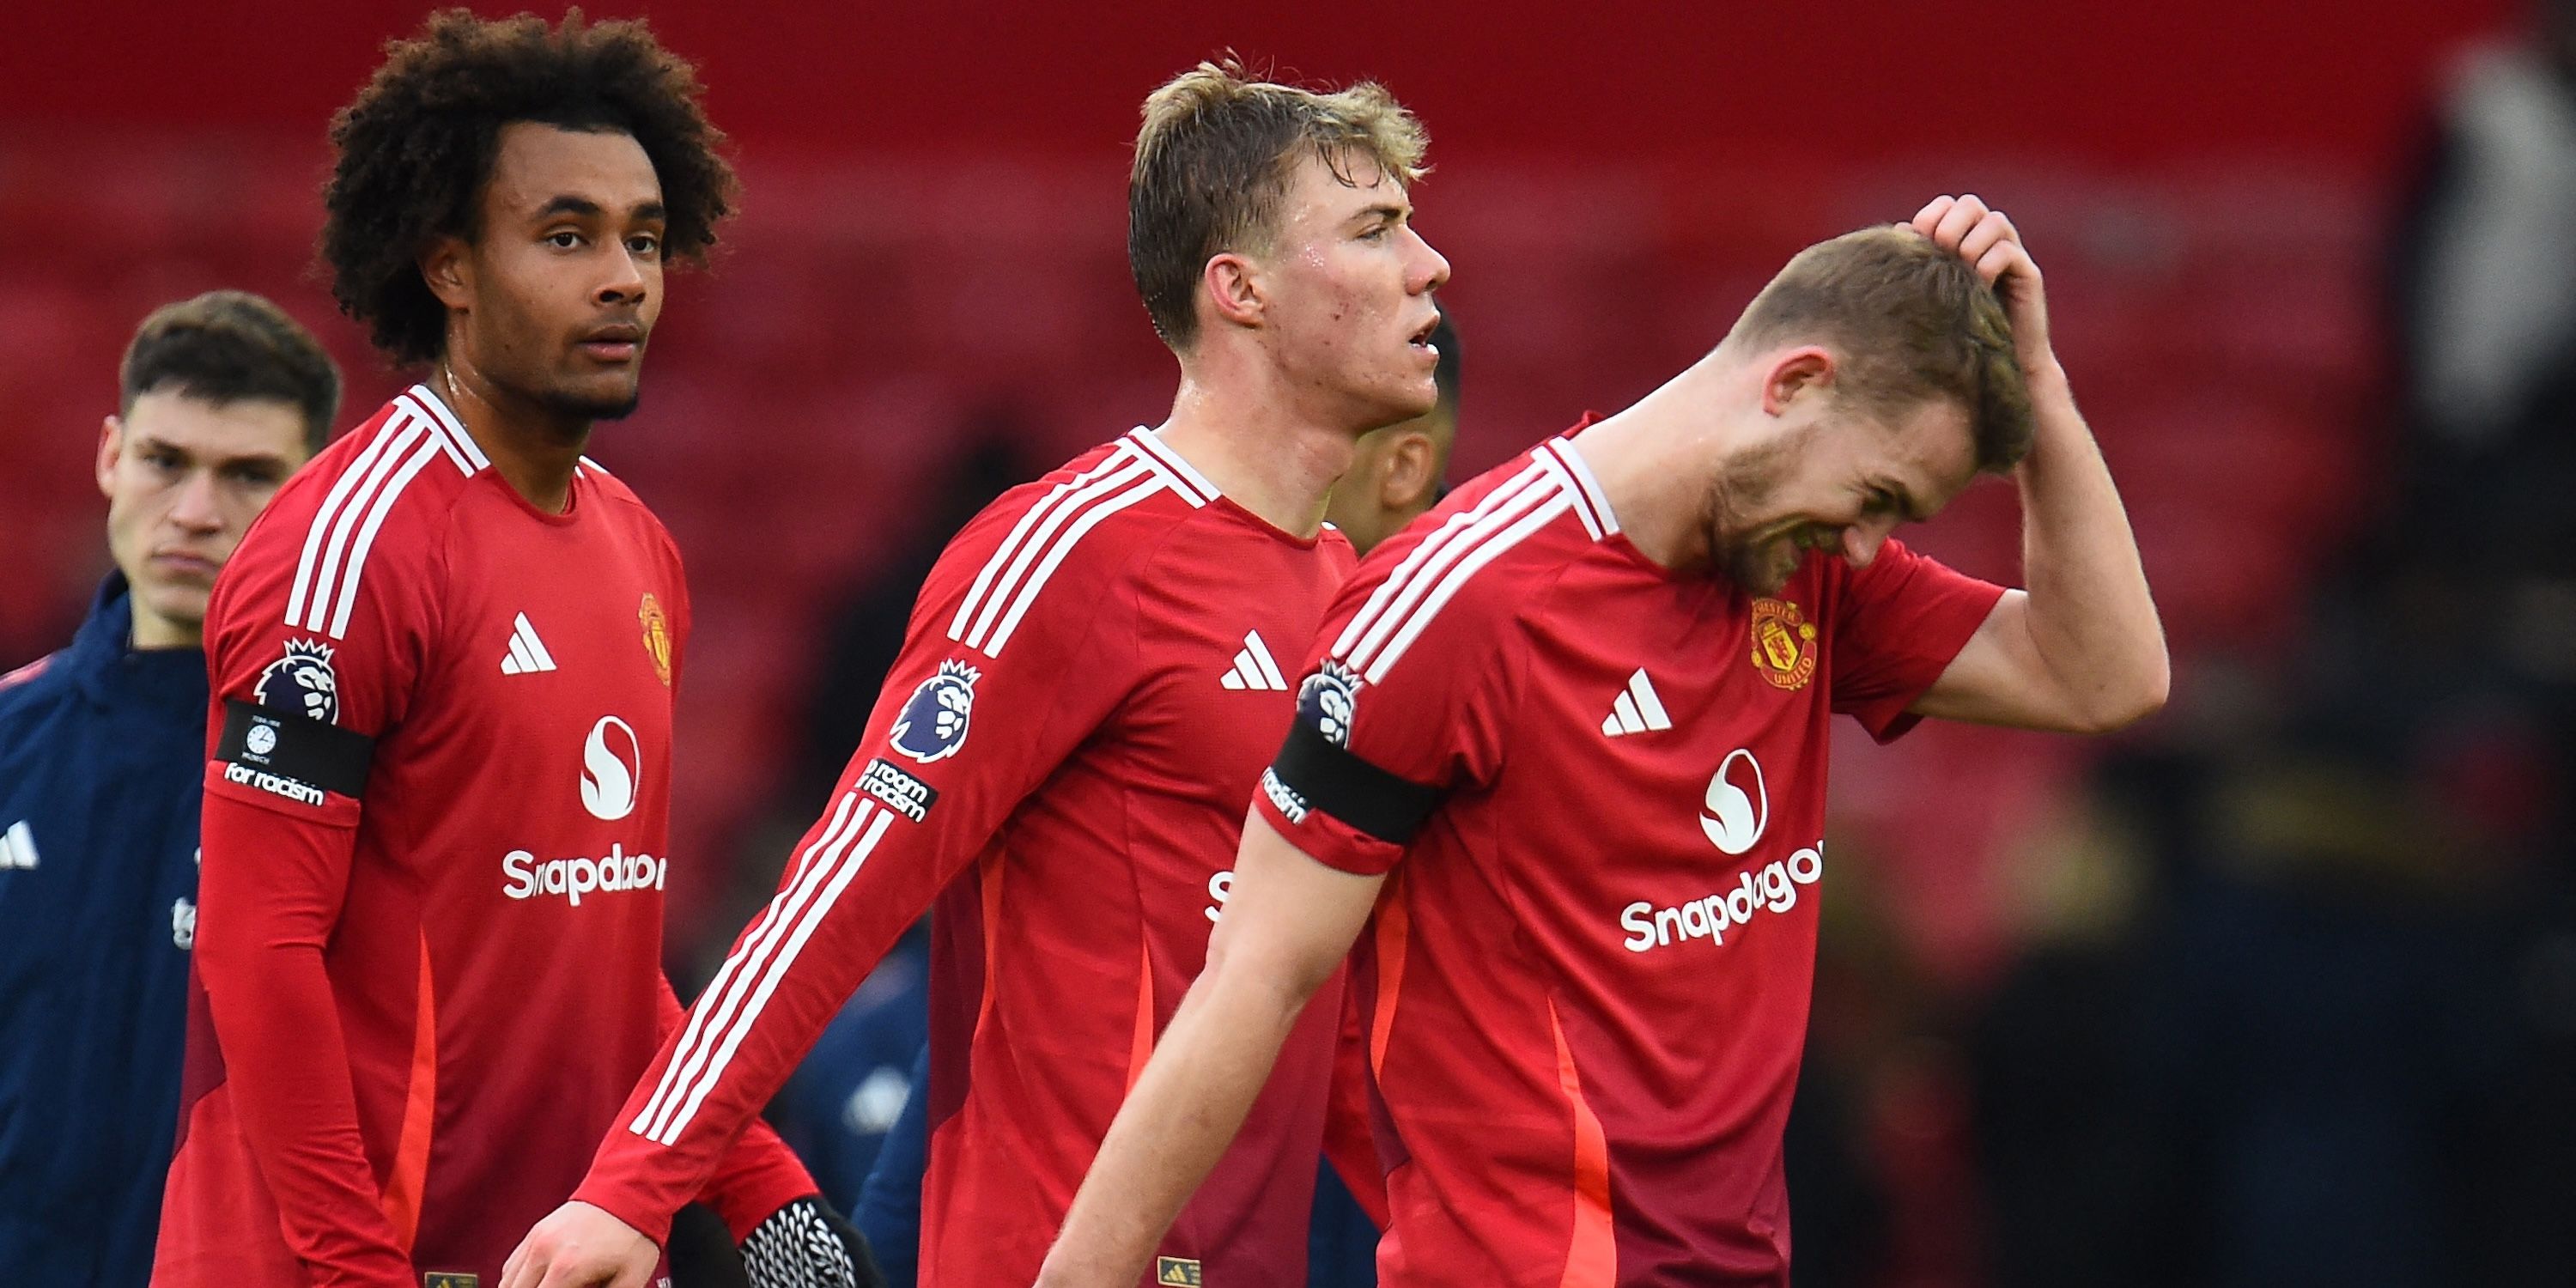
x=301, y=682
x=933, y=724
x=1327, y=701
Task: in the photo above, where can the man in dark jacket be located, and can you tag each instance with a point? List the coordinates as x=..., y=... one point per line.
x=102, y=756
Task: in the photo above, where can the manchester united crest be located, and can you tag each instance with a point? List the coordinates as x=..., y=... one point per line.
x=1784, y=644
x=657, y=636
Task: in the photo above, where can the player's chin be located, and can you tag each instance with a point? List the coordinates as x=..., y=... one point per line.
x=605, y=396
x=179, y=601
x=1410, y=396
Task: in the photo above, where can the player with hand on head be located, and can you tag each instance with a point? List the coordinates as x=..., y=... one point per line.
x=443, y=663
x=102, y=749
x=1087, y=690
x=1585, y=1021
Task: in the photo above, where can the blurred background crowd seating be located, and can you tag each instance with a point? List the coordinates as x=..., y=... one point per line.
x=2277, y=989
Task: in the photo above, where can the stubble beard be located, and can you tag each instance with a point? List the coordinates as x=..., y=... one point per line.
x=594, y=409
x=1743, y=483
x=543, y=391
x=568, y=405
x=565, y=402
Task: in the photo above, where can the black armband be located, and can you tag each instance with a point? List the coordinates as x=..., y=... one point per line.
x=283, y=745
x=1328, y=776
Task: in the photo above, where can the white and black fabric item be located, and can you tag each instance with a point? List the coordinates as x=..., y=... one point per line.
x=808, y=1245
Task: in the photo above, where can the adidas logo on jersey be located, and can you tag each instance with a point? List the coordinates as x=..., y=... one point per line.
x=527, y=654
x=1637, y=709
x=1254, y=669
x=17, y=846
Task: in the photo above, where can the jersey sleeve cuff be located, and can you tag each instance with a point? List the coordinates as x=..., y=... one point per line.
x=1328, y=840
x=630, y=1207
x=759, y=1176
x=1944, y=631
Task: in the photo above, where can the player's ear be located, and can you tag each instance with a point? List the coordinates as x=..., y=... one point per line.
x=1233, y=287
x=111, y=444
x=1408, y=471
x=448, y=271
x=1805, y=370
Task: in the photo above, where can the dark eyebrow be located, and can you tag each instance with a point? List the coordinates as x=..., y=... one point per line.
x=585, y=208
x=264, y=460
x=1389, y=212
x=581, y=206
x=261, y=460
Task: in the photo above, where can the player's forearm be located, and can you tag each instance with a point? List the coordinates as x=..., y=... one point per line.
x=288, y=1071
x=268, y=897
x=673, y=1143
x=2091, y=617
x=758, y=1176
x=1175, y=1124
x=836, y=912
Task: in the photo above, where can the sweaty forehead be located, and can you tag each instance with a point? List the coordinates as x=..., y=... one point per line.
x=1316, y=192
x=536, y=164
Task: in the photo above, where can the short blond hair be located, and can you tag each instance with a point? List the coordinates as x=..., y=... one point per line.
x=1213, y=162
x=1911, y=324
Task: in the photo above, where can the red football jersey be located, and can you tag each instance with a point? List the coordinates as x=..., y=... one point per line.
x=1087, y=690
x=477, y=900
x=1585, y=986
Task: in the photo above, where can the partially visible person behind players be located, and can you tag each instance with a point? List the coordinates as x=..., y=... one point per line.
x=439, y=783
x=1397, y=474
x=1088, y=689
x=1402, y=470
x=102, y=761
x=1567, y=740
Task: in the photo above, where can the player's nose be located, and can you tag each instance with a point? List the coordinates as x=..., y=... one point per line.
x=625, y=283
x=1861, y=541
x=197, y=507
x=1430, y=267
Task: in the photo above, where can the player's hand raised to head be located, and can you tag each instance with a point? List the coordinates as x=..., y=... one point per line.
x=581, y=1246
x=1987, y=239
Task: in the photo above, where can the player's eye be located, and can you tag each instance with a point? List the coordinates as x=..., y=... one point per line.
x=563, y=239
x=166, y=462
x=254, y=475
x=644, y=244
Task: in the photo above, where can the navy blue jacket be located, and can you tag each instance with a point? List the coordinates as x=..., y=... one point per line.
x=835, y=1109
x=889, y=1210
x=102, y=760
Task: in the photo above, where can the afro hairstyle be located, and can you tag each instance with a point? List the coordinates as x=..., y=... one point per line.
x=416, y=148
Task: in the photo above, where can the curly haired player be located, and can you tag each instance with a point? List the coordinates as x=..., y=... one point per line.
x=443, y=662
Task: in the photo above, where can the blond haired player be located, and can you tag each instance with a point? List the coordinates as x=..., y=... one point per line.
x=1567, y=738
